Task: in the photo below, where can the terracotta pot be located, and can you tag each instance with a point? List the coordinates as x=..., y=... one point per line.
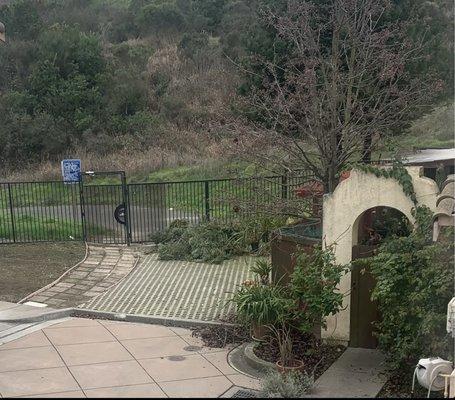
x=345, y=175
x=259, y=332
x=298, y=367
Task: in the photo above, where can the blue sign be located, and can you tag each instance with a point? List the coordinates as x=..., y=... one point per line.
x=71, y=171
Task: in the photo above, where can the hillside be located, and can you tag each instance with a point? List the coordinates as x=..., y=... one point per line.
x=121, y=84
x=139, y=85
x=435, y=130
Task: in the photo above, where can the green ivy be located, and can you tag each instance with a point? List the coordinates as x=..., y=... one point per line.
x=397, y=172
x=414, y=284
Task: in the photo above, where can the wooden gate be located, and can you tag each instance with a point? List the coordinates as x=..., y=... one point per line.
x=364, y=311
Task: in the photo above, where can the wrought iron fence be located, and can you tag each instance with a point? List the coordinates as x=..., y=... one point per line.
x=39, y=211
x=55, y=211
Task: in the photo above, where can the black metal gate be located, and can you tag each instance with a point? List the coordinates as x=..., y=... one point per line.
x=105, y=207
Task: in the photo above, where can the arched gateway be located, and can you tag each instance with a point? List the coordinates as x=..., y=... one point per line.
x=346, y=214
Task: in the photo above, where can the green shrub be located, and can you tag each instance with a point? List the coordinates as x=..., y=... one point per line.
x=175, y=231
x=160, y=16
x=208, y=242
x=292, y=385
x=414, y=285
x=310, y=296
x=193, y=45
x=262, y=304
x=262, y=269
x=314, y=284
x=175, y=250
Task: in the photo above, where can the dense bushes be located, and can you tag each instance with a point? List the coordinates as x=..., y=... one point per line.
x=314, y=282
x=415, y=281
x=215, y=241
x=100, y=74
x=208, y=242
x=310, y=296
x=76, y=75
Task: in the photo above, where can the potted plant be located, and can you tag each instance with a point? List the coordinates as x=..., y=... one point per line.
x=259, y=306
x=287, y=362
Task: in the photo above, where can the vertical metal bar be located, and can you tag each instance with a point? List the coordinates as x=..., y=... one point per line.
x=127, y=208
x=12, y=212
x=284, y=186
x=207, y=200
x=81, y=201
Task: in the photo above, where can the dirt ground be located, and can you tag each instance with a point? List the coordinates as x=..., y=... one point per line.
x=25, y=268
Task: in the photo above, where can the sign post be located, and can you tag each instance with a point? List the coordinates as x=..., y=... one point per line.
x=71, y=171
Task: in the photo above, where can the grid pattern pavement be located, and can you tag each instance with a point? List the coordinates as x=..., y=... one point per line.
x=93, y=358
x=179, y=289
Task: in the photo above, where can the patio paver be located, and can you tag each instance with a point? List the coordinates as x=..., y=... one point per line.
x=92, y=358
x=145, y=391
x=357, y=373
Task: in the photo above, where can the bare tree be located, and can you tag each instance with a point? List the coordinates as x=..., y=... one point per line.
x=346, y=81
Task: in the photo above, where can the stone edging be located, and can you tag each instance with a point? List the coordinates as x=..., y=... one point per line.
x=254, y=361
x=87, y=252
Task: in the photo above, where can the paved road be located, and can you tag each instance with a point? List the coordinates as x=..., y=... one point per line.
x=144, y=220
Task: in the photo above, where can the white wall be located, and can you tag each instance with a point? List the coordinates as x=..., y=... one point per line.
x=341, y=210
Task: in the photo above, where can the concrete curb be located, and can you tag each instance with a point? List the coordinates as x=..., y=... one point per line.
x=254, y=361
x=87, y=252
x=81, y=312
x=45, y=316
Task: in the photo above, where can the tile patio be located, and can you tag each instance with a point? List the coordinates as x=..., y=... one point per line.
x=97, y=358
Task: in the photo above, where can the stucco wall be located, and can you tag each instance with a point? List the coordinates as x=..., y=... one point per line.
x=341, y=210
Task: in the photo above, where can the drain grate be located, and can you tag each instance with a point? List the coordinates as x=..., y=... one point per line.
x=244, y=394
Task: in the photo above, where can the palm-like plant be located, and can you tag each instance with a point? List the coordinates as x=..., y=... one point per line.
x=261, y=304
x=262, y=269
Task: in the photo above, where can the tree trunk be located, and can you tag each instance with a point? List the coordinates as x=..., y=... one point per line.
x=331, y=183
x=366, y=154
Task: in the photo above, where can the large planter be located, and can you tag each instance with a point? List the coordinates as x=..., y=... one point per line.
x=286, y=241
x=259, y=332
x=297, y=367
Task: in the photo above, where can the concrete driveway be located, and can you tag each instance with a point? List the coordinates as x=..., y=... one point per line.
x=95, y=358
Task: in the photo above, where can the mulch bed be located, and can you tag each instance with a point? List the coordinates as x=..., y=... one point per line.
x=316, y=355
x=219, y=336
x=399, y=386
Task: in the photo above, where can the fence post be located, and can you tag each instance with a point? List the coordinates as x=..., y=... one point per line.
x=127, y=207
x=11, y=209
x=82, y=208
x=284, y=186
x=207, y=200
